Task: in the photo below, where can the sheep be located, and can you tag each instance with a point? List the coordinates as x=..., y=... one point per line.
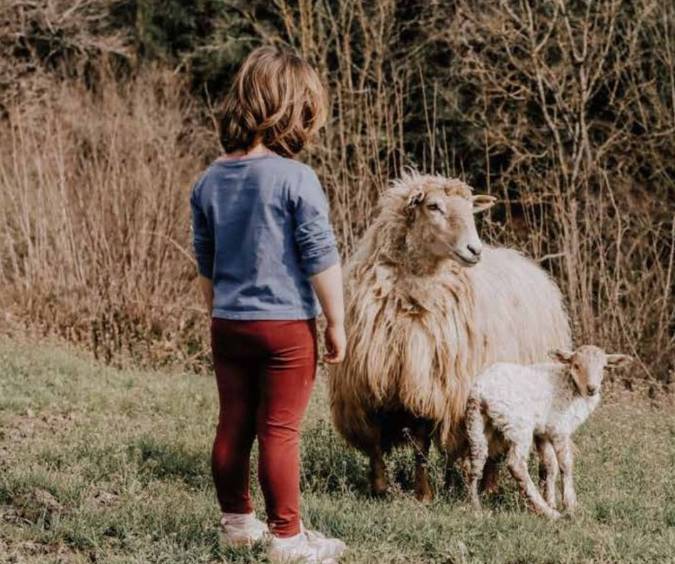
x=428, y=306
x=510, y=405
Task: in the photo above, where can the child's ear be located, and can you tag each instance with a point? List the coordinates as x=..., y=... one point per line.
x=561, y=356
x=617, y=360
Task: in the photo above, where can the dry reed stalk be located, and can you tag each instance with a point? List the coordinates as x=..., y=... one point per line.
x=95, y=222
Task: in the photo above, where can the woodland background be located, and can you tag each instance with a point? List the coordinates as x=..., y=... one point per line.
x=565, y=110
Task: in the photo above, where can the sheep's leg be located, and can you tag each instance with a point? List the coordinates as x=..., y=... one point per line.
x=421, y=436
x=451, y=477
x=458, y=453
x=517, y=464
x=548, y=470
x=478, y=448
x=563, y=450
x=490, y=482
x=378, y=471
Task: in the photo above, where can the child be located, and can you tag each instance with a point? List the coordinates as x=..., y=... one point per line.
x=265, y=251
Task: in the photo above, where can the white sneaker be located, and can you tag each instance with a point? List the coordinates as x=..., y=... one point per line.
x=308, y=547
x=242, y=529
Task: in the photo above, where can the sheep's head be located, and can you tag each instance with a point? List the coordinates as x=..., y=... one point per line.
x=440, y=217
x=587, y=364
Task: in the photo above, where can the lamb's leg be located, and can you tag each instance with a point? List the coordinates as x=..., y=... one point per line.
x=548, y=470
x=378, y=471
x=517, y=464
x=563, y=450
x=421, y=436
x=478, y=448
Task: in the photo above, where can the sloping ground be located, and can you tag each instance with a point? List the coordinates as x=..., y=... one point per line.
x=103, y=465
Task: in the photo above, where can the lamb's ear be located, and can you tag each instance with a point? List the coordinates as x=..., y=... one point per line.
x=617, y=360
x=482, y=202
x=561, y=356
x=414, y=200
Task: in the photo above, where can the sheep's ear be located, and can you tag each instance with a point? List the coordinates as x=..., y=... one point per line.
x=414, y=200
x=482, y=202
x=617, y=360
x=561, y=356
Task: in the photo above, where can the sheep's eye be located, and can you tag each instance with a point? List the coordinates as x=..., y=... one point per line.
x=434, y=207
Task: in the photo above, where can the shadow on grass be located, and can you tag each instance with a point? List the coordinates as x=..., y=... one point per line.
x=331, y=466
x=162, y=461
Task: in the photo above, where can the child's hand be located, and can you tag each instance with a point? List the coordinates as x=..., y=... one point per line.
x=336, y=344
x=328, y=287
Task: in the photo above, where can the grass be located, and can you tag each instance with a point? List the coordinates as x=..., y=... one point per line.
x=98, y=464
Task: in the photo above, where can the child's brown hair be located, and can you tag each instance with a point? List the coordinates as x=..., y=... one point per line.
x=277, y=99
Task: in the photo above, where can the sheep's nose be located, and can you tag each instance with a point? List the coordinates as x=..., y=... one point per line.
x=475, y=249
x=592, y=390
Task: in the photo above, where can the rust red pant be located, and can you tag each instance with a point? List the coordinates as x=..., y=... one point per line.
x=265, y=372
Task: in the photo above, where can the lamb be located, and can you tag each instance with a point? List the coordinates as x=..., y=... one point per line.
x=428, y=306
x=510, y=405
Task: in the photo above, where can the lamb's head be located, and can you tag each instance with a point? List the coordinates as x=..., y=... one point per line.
x=587, y=365
x=439, y=216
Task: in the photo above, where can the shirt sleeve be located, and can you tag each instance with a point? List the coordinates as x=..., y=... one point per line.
x=313, y=232
x=202, y=237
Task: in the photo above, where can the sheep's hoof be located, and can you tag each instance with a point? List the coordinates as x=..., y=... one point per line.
x=378, y=488
x=424, y=495
x=553, y=515
x=570, y=509
x=454, y=482
x=489, y=484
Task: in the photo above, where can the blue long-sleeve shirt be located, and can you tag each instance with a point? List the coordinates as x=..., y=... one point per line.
x=260, y=230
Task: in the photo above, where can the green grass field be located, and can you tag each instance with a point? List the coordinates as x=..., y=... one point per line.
x=102, y=465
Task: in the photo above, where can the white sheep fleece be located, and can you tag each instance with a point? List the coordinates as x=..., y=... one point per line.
x=417, y=341
x=512, y=405
x=539, y=399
